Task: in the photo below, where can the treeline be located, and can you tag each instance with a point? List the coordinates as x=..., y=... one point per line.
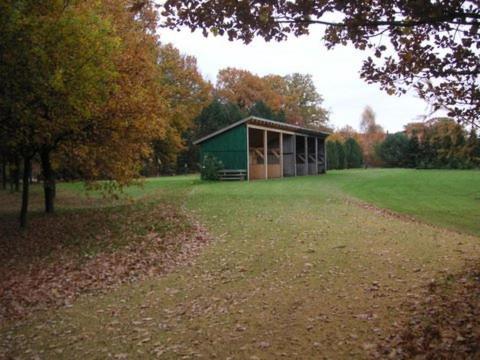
x=439, y=143
x=344, y=155
x=348, y=148
x=90, y=92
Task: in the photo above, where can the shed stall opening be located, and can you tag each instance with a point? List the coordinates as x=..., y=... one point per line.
x=266, y=149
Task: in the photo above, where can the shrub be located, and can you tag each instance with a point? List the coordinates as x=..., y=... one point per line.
x=210, y=167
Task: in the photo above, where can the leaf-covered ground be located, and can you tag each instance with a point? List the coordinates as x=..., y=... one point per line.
x=295, y=269
x=444, y=324
x=92, y=249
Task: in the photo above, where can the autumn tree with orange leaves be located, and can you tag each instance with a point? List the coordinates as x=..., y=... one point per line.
x=81, y=86
x=186, y=93
x=372, y=134
x=244, y=89
x=293, y=95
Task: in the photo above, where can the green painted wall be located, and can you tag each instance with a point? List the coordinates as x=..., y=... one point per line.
x=229, y=147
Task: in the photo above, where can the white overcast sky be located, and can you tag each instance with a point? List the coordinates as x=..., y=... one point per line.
x=335, y=72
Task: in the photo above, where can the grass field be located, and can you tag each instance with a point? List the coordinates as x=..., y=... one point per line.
x=449, y=199
x=295, y=270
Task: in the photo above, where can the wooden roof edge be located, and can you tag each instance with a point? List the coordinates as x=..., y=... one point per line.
x=289, y=126
x=263, y=120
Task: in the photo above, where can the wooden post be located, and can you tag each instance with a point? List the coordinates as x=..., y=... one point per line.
x=265, y=153
x=248, y=153
x=281, y=154
x=324, y=155
x=306, y=155
x=295, y=153
x=316, y=155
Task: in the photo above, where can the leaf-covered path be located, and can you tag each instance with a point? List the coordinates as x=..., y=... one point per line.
x=295, y=270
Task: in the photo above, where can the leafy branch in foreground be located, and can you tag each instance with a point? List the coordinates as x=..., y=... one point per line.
x=433, y=46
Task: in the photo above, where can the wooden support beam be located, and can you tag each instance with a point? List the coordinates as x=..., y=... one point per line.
x=295, y=153
x=248, y=153
x=280, y=135
x=265, y=153
x=306, y=155
x=259, y=153
x=316, y=156
x=270, y=129
x=325, y=155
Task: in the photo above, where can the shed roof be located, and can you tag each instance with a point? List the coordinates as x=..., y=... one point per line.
x=267, y=123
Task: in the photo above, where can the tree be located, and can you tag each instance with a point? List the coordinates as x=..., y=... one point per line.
x=216, y=116
x=368, y=124
x=244, y=89
x=4, y=172
x=413, y=152
x=393, y=151
x=342, y=159
x=448, y=140
x=261, y=109
x=348, y=132
x=56, y=69
x=303, y=103
x=353, y=154
x=432, y=46
x=186, y=93
x=472, y=148
x=292, y=97
x=372, y=134
x=332, y=155
x=80, y=86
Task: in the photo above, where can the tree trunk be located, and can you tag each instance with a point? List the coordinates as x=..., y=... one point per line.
x=48, y=181
x=27, y=167
x=4, y=173
x=16, y=175
x=11, y=176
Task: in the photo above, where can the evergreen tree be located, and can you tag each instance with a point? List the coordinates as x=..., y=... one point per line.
x=413, y=151
x=394, y=150
x=426, y=157
x=262, y=110
x=216, y=116
x=472, y=148
x=353, y=153
x=342, y=159
x=332, y=156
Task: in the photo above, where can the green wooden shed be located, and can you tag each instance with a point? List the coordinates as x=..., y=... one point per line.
x=258, y=148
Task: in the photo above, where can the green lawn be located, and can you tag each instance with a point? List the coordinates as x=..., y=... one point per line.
x=295, y=270
x=448, y=198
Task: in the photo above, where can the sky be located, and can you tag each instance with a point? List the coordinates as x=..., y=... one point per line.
x=335, y=73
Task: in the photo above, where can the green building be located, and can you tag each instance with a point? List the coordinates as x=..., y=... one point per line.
x=256, y=148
